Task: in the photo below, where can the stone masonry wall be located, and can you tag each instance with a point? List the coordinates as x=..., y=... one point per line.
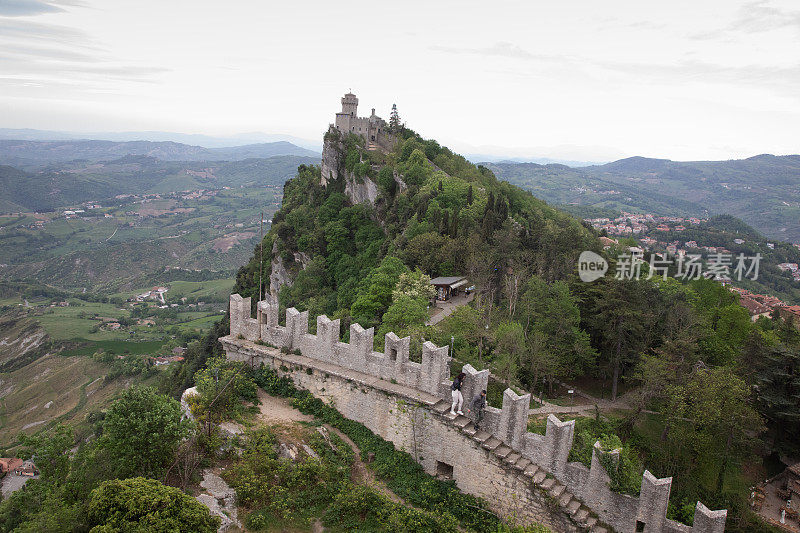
x=410, y=423
x=502, y=462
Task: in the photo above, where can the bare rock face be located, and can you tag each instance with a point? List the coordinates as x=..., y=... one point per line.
x=220, y=499
x=331, y=161
x=279, y=276
x=187, y=411
x=287, y=451
x=360, y=191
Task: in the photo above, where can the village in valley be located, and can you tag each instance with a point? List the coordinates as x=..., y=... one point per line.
x=661, y=235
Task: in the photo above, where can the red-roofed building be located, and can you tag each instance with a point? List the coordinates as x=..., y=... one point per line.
x=792, y=313
x=755, y=309
x=8, y=464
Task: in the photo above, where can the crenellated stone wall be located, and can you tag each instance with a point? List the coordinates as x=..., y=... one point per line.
x=509, y=466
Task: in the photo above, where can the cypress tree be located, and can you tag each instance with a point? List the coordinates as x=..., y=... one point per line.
x=489, y=205
x=779, y=395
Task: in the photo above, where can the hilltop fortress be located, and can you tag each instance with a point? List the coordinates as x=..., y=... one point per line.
x=524, y=476
x=373, y=129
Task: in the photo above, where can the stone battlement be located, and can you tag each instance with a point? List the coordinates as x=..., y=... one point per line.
x=394, y=363
x=503, y=431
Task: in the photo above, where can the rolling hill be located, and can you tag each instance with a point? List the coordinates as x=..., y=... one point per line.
x=22, y=153
x=63, y=184
x=763, y=190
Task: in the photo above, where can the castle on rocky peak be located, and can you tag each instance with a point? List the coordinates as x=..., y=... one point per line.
x=373, y=129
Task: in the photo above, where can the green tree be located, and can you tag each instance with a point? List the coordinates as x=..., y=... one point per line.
x=141, y=432
x=145, y=505
x=778, y=394
x=375, y=294
x=404, y=314
x=394, y=120
x=557, y=346
x=50, y=451
x=712, y=417
x=620, y=314
x=222, y=387
x=509, y=348
x=417, y=169
x=414, y=284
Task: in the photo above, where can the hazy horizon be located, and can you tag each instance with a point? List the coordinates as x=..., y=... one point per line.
x=584, y=82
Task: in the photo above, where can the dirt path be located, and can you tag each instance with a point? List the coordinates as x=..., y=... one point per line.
x=274, y=410
x=587, y=404
x=359, y=473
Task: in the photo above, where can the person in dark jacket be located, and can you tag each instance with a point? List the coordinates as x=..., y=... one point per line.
x=458, y=399
x=477, y=406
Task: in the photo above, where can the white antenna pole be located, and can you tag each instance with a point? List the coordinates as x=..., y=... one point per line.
x=261, y=258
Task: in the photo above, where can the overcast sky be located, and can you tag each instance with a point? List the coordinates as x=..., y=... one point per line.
x=582, y=80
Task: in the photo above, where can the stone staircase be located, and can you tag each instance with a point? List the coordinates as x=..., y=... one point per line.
x=579, y=513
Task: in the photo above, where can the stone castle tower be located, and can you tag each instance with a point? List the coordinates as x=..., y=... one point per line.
x=373, y=129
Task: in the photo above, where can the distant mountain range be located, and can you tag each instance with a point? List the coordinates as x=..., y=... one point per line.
x=763, y=190
x=206, y=141
x=487, y=158
x=20, y=153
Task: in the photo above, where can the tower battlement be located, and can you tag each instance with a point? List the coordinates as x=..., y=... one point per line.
x=373, y=129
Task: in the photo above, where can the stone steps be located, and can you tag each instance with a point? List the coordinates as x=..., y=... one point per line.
x=441, y=407
x=512, y=458
x=580, y=514
x=547, y=483
x=531, y=470
x=522, y=464
x=482, y=436
x=502, y=451
x=573, y=506
x=557, y=490
x=491, y=443
x=462, y=421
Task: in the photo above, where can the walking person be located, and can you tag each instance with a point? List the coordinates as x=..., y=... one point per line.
x=458, y=399
x=478, y=404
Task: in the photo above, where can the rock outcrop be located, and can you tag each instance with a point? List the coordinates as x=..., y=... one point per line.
x=220, y=499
